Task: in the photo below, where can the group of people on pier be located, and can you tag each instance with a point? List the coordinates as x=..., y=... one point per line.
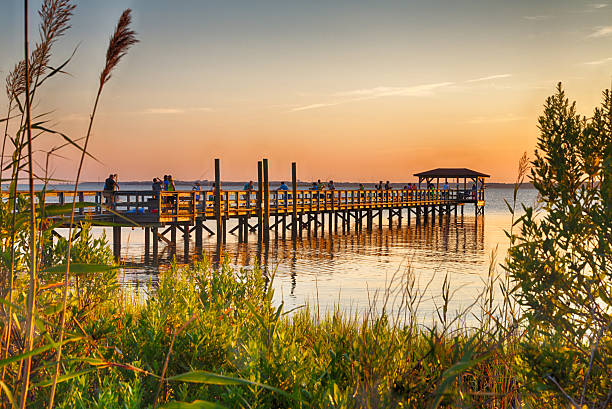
x=111, y=185
x=166, y=185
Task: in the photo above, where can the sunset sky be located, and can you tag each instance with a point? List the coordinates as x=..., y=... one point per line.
x=350, y=90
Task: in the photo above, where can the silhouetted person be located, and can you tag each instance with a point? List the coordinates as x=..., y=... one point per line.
x=110, y=185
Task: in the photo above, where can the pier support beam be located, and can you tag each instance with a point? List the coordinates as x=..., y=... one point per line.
x=245, y=234
x=117, y=243
x=173, y=236
x=266, y=198
x=155, y=245
x=147, y=232
x=217, y=193
x=198, y=233
x=260, y=226
x=294, y=202
x=186, y=237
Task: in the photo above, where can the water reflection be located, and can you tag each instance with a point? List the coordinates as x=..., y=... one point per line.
x=339, y=268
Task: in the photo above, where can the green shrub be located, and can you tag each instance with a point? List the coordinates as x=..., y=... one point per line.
x=561, y=259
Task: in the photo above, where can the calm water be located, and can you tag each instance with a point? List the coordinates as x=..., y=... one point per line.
x=348, y=269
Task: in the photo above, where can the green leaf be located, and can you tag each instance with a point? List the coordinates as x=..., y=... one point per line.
x=8, y=393
x=450, y=375
x=57, y=210
x=66, y=377
x=36, y=351
x=66, y=138
x=196, y=404
x=216, y=379
x=80, y=268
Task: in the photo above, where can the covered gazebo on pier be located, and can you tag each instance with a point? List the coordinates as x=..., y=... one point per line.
x=463, y=184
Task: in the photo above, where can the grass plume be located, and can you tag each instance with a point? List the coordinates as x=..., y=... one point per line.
x=122, y=39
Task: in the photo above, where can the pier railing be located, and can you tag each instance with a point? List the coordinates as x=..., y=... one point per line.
x=178, y=206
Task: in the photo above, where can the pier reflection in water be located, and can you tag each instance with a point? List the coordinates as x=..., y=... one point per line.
x=345, y=269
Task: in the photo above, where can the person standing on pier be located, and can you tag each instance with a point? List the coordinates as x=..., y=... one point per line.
x=248, y=187
x=171, y=185
x=166, y=183
x=197, y=187
x=445, y=190
x=331, y=185
x=110, y=185
x=156, y=185
x=283, y=186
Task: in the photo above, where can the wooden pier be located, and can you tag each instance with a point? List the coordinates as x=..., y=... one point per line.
x=281, y=213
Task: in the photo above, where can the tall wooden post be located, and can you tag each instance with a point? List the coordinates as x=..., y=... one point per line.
x=260, y=227
x=245, y=235
x=173, y=237
x=147, y=232
x=266, y=193
x=198, y=233
x=186, y=237
x=117, y=243
x=217, y=193
x=155, y=244
x=294, y=207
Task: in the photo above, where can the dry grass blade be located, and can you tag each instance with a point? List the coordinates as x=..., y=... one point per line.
x=120, y=42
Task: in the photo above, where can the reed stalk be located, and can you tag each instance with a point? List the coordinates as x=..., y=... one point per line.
x=33, y=260
x=122, y=39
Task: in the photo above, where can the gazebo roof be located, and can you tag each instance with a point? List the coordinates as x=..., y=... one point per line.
x=451, y=173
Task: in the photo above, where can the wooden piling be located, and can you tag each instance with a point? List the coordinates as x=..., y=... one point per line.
x=266, y=199
x=147, y=232
x=294, y=203
x=245, y=235
x=260, y=227
x=217, y=193
x=155, y=244
x=186, y=238
x=198, y=233
x=117, y=243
